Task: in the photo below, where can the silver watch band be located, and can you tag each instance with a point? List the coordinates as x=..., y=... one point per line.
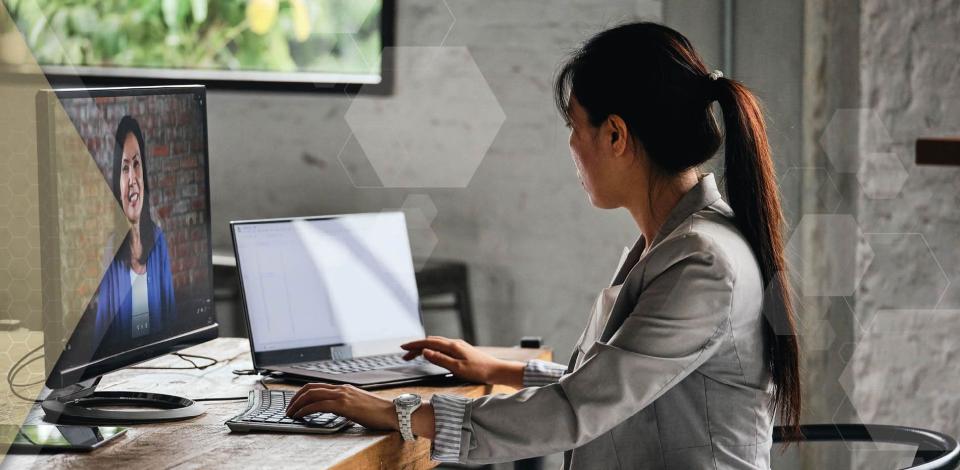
x=405, y=405
x=406, y=425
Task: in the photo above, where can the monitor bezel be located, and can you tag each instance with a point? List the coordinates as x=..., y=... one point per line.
x=105, y=77
x=65, y=375
x=265, y=359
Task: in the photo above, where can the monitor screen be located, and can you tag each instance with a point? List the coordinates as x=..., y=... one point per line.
x=344, y=282
x=231, y=43
x=124, y=172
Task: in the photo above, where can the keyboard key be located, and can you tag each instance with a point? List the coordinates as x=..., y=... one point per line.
x=359, y=364
x=267, y=412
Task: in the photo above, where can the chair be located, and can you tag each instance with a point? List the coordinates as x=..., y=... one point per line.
x=226, y=296
x=935, y=451
x=444, y=286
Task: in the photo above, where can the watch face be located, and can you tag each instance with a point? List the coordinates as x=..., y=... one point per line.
x=407, y=399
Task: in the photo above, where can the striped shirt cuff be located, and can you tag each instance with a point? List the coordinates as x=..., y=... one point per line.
x=539, y=373
x=448, y=412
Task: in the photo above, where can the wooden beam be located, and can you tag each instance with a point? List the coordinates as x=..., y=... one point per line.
x=938, y=151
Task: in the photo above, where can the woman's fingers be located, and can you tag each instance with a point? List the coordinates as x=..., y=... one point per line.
x=310, y=397
x=441, y=360
x=418, y=344
x=307, y=388
x=437, y=343
x=410, y=355
x=323, y=406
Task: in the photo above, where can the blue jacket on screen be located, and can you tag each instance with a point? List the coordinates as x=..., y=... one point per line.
x=115, y=302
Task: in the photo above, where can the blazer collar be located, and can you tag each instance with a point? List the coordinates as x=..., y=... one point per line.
x=702, y=195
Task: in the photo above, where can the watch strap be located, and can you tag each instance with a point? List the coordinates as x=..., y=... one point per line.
x=406, y=425
x=405, y=419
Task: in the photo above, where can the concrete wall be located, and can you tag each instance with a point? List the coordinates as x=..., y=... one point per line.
x=539, y=252
x=879, y=74
x=830, y=82
x=904, y=369
x=537, y=249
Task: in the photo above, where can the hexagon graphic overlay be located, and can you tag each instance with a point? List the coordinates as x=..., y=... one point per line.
x=436, y=129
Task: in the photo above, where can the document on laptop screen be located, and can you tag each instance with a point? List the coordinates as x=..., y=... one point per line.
x=347, y=280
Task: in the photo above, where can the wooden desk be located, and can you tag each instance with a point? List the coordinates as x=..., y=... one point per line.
x=205, y=442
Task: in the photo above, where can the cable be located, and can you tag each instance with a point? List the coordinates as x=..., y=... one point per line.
x=14, y=368
x=18, y=395
x=185, y=357
x=19, y=365
x=23, y=362
x=260, y=381
x=13, y=374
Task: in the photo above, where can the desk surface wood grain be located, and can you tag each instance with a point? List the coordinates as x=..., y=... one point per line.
x=205, y=442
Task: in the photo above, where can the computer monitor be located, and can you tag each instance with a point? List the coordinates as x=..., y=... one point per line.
x=125, y=241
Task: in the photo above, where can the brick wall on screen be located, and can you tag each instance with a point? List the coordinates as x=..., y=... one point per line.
x=174, y=160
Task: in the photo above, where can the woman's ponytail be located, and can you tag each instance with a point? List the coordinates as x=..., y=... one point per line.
x=752, y=194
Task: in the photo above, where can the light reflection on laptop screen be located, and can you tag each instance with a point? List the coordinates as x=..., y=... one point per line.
x=347, y=280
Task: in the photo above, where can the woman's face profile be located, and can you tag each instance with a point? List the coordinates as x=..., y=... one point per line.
x=595, y=168
x=131, y=179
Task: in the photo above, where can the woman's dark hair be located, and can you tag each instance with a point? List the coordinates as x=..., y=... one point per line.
x=127, y=126
x=650, y=76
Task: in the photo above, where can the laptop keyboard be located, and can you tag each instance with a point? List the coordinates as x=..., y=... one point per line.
x=359, y=364
x=266, y=411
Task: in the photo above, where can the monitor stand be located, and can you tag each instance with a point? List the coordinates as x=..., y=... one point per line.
x=81, y=404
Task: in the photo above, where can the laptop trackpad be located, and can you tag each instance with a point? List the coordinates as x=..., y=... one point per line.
x=382, y=375
x=420, y=370
x=397, y=373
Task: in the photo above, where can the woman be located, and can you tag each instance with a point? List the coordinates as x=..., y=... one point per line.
x=692, y=349
x=136, y=295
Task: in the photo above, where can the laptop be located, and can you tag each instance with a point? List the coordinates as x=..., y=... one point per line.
x=331, y=298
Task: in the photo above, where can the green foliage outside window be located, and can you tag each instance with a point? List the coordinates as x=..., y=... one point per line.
x=332, y=36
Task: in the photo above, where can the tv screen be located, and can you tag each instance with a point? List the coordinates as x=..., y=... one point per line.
x=286, y=44
x=125, y=226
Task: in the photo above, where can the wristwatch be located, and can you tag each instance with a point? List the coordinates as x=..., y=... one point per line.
x=406, y=404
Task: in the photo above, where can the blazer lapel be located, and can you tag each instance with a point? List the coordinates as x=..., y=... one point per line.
x=630, y=274
x=629, y=262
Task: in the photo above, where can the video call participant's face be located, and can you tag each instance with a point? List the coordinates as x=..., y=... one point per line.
x=131, y=179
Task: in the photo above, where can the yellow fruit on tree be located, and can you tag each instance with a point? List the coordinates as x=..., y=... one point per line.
x=301, y=20
x=262, y=14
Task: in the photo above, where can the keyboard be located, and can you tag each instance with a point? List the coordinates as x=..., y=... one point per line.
x=266, y=411
x=359, y=364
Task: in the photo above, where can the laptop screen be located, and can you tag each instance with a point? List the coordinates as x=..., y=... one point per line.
x=320, y=288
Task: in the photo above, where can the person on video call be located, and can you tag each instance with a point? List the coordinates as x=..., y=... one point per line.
x=136, y=295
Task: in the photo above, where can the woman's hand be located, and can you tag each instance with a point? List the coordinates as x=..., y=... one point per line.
x=360, y=406
x=466, y=361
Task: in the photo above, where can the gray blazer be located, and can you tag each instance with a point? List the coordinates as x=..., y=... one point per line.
x=676, y=378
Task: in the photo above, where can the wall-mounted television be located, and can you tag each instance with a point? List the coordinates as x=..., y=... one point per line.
x=299, y=45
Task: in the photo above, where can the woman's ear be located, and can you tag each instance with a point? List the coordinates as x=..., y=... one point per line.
x=618, y=134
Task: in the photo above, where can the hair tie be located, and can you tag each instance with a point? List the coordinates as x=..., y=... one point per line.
x=714, y=87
